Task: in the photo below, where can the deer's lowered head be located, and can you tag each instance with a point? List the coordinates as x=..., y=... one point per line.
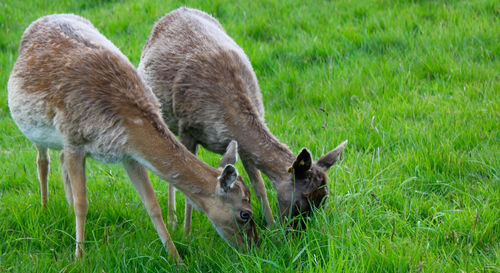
x=306, y=185
x=231, y=212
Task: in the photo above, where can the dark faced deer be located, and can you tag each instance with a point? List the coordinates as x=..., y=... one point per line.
x=210, y=95
x=71, y=89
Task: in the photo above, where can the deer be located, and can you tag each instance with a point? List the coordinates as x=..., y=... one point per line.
x=209, y=95
x=72, y=90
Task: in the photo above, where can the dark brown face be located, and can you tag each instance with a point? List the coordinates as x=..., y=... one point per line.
x=306, y=191
x=306, y=187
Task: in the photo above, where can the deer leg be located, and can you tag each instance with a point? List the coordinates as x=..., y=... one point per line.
x=259, y=189
x=172, y=218
x=140, y=179
x=192, y=146
x=188, y=214
x=42, y=162
x=67, y=183
x=74, y=163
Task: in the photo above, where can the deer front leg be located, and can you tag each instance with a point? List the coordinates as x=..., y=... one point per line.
x=192, y=146
x=74, y=163
x=259, y=189
x=42, y=162
x=140, y=179
x=67, y=184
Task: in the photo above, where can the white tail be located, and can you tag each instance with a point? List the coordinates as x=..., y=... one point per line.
x=71, y=89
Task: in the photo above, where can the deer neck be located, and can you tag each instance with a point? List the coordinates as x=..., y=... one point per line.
x=159, y=151
x=258, y=145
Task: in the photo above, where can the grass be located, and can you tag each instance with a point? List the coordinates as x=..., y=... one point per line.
x=413, y=85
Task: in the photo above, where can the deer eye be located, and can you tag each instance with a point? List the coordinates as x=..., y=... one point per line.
x=245, y=215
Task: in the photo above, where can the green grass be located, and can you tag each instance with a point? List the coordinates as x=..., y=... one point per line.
x=413, y=85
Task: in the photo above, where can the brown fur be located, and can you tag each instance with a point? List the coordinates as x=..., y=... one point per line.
x=72, y=89
x=210, y=95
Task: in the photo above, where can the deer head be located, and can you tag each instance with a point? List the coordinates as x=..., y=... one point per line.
x=306, y=187
x=231, y=214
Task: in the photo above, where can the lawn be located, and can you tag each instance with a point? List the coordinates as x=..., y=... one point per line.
x=413, y=85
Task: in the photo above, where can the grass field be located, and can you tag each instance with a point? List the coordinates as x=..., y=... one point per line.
x=413, y=85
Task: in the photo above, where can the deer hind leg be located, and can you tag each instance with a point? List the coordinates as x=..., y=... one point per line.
x=74, y=163
x=140, y=179
x=172, y=218
x=67, y=183
x=259, y=189
x=192, y=146
x=188, y=214
x=43, y=162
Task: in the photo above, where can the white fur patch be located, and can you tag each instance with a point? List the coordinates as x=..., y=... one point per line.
x=174, y=175
x=137, y=121
x=44, y=136
x=30, y=114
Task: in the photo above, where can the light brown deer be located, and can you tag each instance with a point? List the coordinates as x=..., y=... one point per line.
x=72, y=89
x=210, y=95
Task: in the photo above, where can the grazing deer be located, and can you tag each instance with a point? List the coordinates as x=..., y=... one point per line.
x=210, y=95
x=71, y=89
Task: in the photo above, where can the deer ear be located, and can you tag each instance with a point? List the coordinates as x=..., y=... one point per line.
x=228, y=177
x=302, y=163
x=327, y=160
x=231, y=154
